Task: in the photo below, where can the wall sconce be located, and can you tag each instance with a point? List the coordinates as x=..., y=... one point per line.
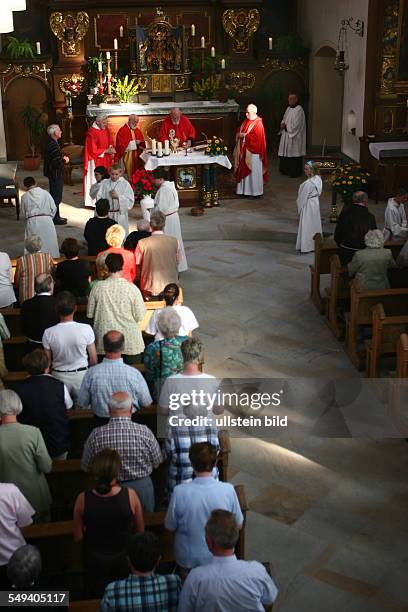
x=340, y=63
x=351, y=122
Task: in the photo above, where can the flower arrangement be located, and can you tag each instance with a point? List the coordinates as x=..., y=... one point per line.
x=206, y=88
x=125, y=89
x=216, y=146
x=142, y=183
x=347, y=179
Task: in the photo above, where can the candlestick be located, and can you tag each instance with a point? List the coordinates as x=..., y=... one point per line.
x=159, y=149
x=212, y=51
x=166, y=147
x=121, y=31
x=108, y=74
x=192, y=29
x=99, y=66
x=116, y=61
x=270, y=43
x=203, y=42
x=108, y=55
x=38, y=47
x=115, y=43
x=223, y=64
x=154, y=148
x=100, y=74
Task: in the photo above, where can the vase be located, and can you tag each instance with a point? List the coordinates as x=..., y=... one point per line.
x=146, y=204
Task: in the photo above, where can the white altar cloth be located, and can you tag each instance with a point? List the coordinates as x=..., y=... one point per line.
x=376, y=148
x=196, y=158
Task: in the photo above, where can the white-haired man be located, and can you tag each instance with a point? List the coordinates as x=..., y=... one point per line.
x=129, y=145
x=39, y=211
x=98, y=152
x=177, y=126
x=54, y=162
x=292, y=146
x=250, y=159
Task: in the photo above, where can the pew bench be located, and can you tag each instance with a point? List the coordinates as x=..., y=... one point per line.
x=386, y=331
x=402, y=356
x=394, y=301
x=337, y=296
x=325, y=248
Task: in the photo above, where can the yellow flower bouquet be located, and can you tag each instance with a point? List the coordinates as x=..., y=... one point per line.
x=347, y=179
x=215, y=146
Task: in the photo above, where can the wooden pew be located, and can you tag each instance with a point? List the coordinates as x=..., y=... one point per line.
x=324, y=249
x=386, y=332
x=337, y=296
x=85, y=605
x=14, y=350
x=61, y=555
x=402, y=356
x=394, y=301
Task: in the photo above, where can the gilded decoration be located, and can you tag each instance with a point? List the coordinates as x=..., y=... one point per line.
x=241, y=81
x=27, y=70
x=160, y=46
x=142, y=83
x=72, y=84
x=69, y=30
x=388, y=64
x=240, y=25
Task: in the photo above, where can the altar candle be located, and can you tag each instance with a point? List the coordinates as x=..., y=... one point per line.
x=212, y=51
x=223, y=64
x=159, y=149
x=270, y=41
x=38, y=47
x=166, y=147
x=121, y=31
x=108, y=55
x=202, y=42
x=154, y=150
x=115, y=44
x=99, y=66
x=192, y=29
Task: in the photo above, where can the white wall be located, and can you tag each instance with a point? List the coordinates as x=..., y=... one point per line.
x=319, y=24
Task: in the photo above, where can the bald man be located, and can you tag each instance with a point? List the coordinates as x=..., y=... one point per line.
x=250, y=160
x=176, y=125
x=129, y=146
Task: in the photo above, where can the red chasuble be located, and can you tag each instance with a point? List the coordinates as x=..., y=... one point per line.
x=96, y=142
x=130, y=158
x=254, y=142
x=183, y=130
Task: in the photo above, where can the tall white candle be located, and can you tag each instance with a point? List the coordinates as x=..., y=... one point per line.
x=154, y=149
x=212, y=51
x=115, y=44
x=202, y=42
x=159, y=149
x=166, y=147
x=38, y=47
x=270, y=41
x=121, y=31
x=108, y=55
x=192, y=29
x=99, y=66
x=223, y=64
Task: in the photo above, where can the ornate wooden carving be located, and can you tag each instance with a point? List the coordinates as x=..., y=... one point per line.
x=240, y=25
x=69, y=30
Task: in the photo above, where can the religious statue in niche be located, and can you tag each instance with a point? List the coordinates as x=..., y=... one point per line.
x=159, y=46
x=240, y=25
x=70, y=30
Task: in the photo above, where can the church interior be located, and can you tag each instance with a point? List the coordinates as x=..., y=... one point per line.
x=324, y=495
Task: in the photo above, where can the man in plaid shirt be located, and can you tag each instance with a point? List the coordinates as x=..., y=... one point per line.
x=135, y=443
x=143, y=589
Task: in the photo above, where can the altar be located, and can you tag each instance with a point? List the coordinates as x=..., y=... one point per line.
x=388, y=161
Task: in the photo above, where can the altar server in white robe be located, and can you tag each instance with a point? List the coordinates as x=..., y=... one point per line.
x=292, y=146
x=120, y=194
x=395, y=217
x=167, y=201
x=38, y=209
x=310, y=222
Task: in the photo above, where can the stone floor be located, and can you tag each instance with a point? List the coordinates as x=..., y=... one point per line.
x=328, y=512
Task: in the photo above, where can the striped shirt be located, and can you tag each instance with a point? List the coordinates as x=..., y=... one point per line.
x=27, y=268
x=53, y=159
x=152, y=593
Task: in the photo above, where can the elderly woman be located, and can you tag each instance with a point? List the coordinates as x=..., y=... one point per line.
x=189, y=323
x=24, y=459
x=115, y=236
x=105, y=518
x=7, y=295
x=308, y=207
x=163, y=357
x=29, y=266
x=73, y=274
x=370, y=265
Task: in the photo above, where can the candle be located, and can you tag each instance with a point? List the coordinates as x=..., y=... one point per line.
x=115, y=44
x=121, y=31
x=108, y=55
x=212, y=51
x=38, y=47
x=270, y=41
x=192, y=29
x=202, y=42
x=166, y=147
x=99, y=66
x=223, y=64
x=159, y=149
x=154, y=150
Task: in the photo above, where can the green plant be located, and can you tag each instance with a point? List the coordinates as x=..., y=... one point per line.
x=16, y=48
x=347, y=179
x=216, y=146
x=91, y=69
x=125, y=89
x=206, y=88
x=33, y=121
x=209, y=66
x=290, y=44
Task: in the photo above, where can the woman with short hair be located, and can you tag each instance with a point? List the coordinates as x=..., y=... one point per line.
x=115, y=236
x=73, y=274
x=29, y=266
x=308, y=206
x=370, y=265
x=105, y=518
x=189, y=323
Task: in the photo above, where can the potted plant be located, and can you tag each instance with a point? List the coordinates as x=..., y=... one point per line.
x=16, y=48
x=34, y=123
x=206, y=88
x=144, y=188
x=347, y=179
x=124, y=89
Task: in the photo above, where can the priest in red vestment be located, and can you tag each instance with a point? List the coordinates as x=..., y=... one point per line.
x=250, y=160
x=98, y=152
x=176, y=125
x=129, y=145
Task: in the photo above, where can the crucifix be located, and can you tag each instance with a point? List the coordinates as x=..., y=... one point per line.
x=45, y=70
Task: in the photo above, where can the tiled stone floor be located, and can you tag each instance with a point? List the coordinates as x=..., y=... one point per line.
x=329, y=513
